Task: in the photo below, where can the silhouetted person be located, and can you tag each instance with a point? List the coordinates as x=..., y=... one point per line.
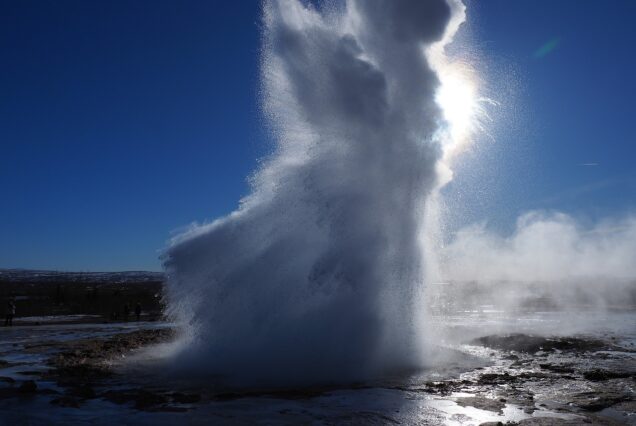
x=8, y=321
x=138, y=310
x=126, y=311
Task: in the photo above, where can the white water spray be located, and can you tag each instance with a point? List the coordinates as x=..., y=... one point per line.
x=319, y=275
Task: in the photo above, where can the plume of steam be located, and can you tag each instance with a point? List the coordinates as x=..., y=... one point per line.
x=549, y=256
x=317, y=275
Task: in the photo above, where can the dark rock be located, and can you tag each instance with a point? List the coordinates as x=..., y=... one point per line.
x=8, y=393
x=521, y=363
x=182, y=398
x=599, y=399
x=82, y=391
x=10, y=380
x=532, y=344
x=30, y=373
x=118, y=396
x=227, y=396
x=171, y=409
x=141, y=398
x=600, y=375
x=28, y=387
x=443, y=388
x=532, y=375
x=556, y=368
x=495, y=379
x=146, y=399
x=66, y=401
x=85, y=360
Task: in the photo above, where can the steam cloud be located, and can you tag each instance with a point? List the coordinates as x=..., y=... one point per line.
x=545, y=247
x=318, y=275
x=562, y=260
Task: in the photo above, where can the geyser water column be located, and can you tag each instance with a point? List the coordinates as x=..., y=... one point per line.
x=318, y=276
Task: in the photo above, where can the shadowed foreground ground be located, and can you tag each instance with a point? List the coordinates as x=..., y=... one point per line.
x=521, y=379
x=68, y=362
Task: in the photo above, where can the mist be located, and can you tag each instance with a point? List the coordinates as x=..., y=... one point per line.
x=550, y=261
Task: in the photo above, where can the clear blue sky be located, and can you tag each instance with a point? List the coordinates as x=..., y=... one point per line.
x=122, y=121
x=560, y=109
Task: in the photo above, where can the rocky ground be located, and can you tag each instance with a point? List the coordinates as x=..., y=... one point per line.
x=553, y=380
x=590, y=378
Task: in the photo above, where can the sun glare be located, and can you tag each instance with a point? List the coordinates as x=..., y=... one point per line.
x=463, y=109
x=458, y=99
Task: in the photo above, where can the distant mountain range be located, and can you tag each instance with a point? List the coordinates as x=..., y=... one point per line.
x=29, y=275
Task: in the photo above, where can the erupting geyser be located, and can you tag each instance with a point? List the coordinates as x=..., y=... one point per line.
x=319, y=275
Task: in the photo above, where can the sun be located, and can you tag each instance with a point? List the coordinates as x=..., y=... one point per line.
x=464, y=111
x=457, y=97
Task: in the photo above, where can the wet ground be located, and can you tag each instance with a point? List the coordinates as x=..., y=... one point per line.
x=517, y=368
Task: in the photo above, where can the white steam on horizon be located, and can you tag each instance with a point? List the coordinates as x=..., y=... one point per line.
x=551, y=261
x=545, y=246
